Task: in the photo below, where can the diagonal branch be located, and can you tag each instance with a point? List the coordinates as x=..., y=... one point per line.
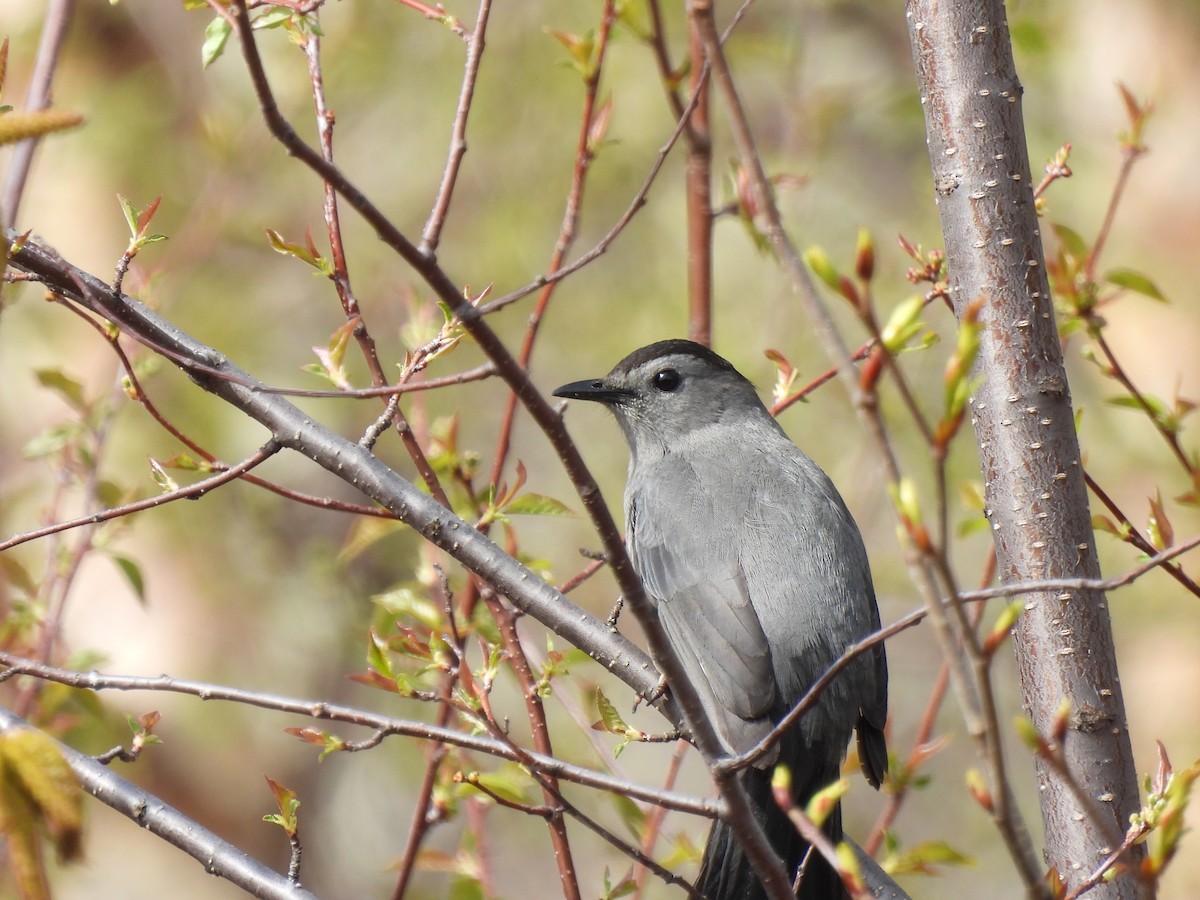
x=218, y=856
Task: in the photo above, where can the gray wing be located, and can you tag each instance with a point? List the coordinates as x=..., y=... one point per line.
x=689, y=560
x=811, y=583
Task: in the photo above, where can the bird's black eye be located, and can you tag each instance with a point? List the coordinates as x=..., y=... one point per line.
x=666, y=380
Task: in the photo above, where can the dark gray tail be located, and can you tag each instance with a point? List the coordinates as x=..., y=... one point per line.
x=725, y=873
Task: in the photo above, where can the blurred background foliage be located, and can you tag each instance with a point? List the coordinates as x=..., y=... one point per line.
x=248, y=589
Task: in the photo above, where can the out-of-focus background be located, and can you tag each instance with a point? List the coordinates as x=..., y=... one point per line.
x=245, y=588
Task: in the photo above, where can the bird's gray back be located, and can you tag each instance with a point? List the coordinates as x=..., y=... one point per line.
x=777, y=588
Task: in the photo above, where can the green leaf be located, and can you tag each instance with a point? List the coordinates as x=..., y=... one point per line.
x=161, y=478
x=1027, y=733
x=1072, y=241
x=906, y=500
x=822, y=266
x=580, y=48
x=133, y=574
x=365, y=533
x=215, y=37
x=109, y=493
x=610, y=719
x=377, y=658
x=34, y=772
x=306, y=253
x=131, y=215
x=632, y=815
x=409, y=605
x=273, y=18
x=63, y=385
x=922, y=857
x=1157, y=407
x=512, y=784
x=903, y=325
x=537, y=505
x=16, y=575
x=463, y=887
x=623, y=888
x=1134, y=281
x=51, y=440
x=288, y=804
x=824, y=802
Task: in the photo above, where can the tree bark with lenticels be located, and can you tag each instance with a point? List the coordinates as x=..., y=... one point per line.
x=1021, y=410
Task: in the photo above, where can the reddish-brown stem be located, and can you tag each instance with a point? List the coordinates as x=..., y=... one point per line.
x=828, y=375
x=1118, y=372
x=656, y=816
x=1132, y=153
x=458, y=138
x=341, y=274
x=506, y=621
x=1136, y=538
x=699, y=199
x=190, y=492
x=421, y=822
x=937, y=695
x=582, y=575
x=566, y=234
x=139, y=394
x=437, y=13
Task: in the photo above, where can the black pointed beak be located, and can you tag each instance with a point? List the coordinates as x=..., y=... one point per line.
x=596, y=389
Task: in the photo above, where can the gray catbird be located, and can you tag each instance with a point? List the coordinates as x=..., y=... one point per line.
x=760, y=579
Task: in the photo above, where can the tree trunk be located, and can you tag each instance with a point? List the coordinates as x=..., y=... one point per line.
x=1021, y=411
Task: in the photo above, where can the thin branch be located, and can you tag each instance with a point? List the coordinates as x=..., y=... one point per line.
x=458, y=137
x=421, y=822
x=584, y=153
x=217, y=856
x=1131, y=153
x=1135, y=537
x=698, y=175
x=385, y=725
x=479, y=373
x=601, y=246
x=341, y=275
x=654, y=821
x=1011, y=589
x=357, y=467
x=741, y=817
x=54, y=31
x=189, y=492
x=536, y=712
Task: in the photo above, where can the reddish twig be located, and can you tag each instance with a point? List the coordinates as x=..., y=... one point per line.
x=584, y=153
x=458, y=137
x=190, y=492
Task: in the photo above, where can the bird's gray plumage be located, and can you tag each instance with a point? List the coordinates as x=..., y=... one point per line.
x=759, y=577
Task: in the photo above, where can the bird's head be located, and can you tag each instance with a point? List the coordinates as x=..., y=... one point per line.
x=667, y=392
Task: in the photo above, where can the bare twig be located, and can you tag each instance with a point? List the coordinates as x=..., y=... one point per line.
x=54, y=31
x=601, y=246
x=386, y=725
x=584, y=153
x=458, y=137
x=188, y=492
x=217, y=856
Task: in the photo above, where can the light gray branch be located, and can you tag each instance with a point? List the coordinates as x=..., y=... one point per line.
x=1033, y=483
x=355, y=465
x=218, y=856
